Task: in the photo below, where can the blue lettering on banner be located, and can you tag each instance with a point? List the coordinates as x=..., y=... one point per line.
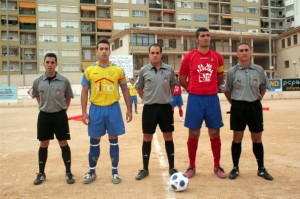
x=8, y=93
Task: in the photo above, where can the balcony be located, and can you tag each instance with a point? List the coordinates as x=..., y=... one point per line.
x=155, y=5
x=25, y=11
x=88, y=1
x=103, y=2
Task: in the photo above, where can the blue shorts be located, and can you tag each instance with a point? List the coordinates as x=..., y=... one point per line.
x=177, y=100
x=133, y=99
x=203, y=108
x=105, y=119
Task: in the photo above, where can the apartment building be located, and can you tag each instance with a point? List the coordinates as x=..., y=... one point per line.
x=35, y=28
x=71, y=29
x=176, y=42
x=288, y=57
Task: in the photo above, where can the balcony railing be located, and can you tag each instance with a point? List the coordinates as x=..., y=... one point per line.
x=155, y=5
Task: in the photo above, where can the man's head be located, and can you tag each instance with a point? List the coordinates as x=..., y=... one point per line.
x=202, y=37
x=155, y=54
x=50, y=55
x=50, y=63
x=244, y=52
x=103, y=50
x=202, y=29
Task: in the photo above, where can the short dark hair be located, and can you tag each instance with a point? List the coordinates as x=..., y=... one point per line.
x=201, y=29
x=103, y=41
x=243, y=43
x=156, y=44
x=51, y=55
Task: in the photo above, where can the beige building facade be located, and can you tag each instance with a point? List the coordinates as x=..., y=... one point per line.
x=288, y=54
x=31, y=28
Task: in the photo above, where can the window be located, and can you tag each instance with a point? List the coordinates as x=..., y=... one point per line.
x=200, y=17
x=47, y=8
x=69, y=38
x=184, y=17
x=239, y=21
x=295, y=39
x=143, y=2
x=69, y=9
x=69, y=24
x=121, y=26
x=283, y=43
x=43, y=52
x=253, y=10
x=139, y=13
x=289, y=41
x=142, y=39
x=47, y=23
x=120, y=1
x=287, y=64
x=70, y=53
x=199, y=5
x=48, y=38
x=160, y=42
x=238, y=9
x=70, y=67
x=184, y=4
x=172, y=43
x=121, y=13
x=253, y=22
x=138, y=24
x=116, y=44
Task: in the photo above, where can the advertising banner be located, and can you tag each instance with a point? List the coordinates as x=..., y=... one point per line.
x=275, y=85
x=291, y=84
x=8, y=93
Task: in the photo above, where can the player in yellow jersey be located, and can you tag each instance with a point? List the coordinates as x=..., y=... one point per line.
x=101, y=81
x=133, y=95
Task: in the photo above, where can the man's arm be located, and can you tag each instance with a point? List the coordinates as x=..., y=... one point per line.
x=220, y=79
x=84, y=100
x=140, y=92
x=183, y=81
x=262, y=93
x=68, y=102
x=126, y=97
x=228, y=96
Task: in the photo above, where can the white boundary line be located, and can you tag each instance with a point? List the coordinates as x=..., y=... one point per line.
x=163, y=164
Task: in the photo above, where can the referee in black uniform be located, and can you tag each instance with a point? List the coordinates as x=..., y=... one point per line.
x=53, y=93
x=245, y=86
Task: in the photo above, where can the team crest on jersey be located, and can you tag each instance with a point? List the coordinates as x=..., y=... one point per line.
x=205, y=72
x=111, y=73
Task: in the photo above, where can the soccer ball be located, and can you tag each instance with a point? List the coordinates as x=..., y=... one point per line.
x=179, y=182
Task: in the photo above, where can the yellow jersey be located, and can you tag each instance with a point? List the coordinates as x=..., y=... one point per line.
x=103, y=83
x=132, y=90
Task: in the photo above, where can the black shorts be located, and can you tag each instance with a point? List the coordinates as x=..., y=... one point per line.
x=160, y=114
x=53, y=123
x=244, y=113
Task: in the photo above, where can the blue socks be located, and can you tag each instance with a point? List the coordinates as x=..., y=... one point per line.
x=114, y=155
x=94, y=154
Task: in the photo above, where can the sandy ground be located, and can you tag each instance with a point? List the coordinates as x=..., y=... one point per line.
x=18, y=156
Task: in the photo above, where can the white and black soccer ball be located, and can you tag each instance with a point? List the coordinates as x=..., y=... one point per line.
x=179, y=182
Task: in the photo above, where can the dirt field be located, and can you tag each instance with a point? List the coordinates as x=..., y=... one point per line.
x=18, y=156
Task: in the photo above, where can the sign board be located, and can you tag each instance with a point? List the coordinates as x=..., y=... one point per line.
x=275, y=84
x=291, y=84
x=125, y=61
x=8, y=93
